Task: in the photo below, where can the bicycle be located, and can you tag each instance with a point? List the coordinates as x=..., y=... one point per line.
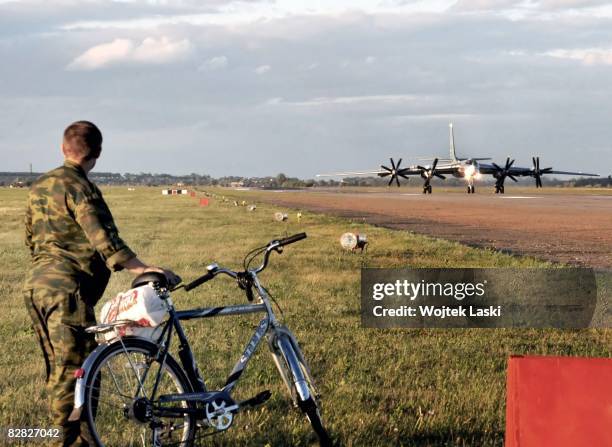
x=170, y=406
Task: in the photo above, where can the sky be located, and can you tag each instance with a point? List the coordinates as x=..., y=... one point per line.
x=259, y=87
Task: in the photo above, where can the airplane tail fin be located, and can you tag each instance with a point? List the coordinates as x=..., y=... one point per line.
x=453, y=154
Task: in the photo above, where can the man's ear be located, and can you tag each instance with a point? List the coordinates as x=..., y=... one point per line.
x=64, y=150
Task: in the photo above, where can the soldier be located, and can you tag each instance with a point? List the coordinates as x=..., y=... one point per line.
x=74, y=245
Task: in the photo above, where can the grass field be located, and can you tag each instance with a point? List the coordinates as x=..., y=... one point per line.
x=379, y=387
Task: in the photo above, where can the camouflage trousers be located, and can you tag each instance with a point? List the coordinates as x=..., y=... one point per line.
x=59, y=320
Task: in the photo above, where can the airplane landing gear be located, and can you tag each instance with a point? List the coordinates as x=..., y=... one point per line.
x=427, y=173
x=471, y=189
x=499, y=189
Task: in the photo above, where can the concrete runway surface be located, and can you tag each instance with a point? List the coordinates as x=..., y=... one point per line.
x=572, y=228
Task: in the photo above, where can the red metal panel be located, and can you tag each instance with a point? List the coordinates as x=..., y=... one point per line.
x=559, y=401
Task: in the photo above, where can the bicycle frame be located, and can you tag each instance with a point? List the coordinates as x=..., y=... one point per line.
x=268, y=325
x=186, y=355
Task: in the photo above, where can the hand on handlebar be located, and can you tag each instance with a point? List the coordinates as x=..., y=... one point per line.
x=173, y=278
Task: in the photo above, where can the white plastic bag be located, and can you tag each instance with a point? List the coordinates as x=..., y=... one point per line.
x=141, y=308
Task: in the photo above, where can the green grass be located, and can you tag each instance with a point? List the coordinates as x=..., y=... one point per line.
x=379, y=387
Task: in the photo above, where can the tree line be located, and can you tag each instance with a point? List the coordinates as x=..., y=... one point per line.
x=25, y=179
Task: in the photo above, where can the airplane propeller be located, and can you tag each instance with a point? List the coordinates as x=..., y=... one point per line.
x=502, y=173
x=428, y=174
x=536, y=172
x=394, y=171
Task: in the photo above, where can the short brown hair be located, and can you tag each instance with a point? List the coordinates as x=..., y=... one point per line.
x=83, y=140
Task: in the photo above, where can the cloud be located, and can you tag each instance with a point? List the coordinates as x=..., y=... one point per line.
x=262, y=69
x=587, y=56
x=349, y=100
x=488, y=73
x=274, y=101
x=214, y=63
x=32, y=17
x=533, y=8
x=150, y=51
x=485, y=5
x=103, y=54
x=571, y=4
x=445, y=117
x=311, y=66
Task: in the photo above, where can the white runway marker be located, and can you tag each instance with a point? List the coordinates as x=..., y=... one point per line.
x=520, y=197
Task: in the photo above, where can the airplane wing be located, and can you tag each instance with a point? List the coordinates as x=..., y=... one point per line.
x=507, y=170
x=351, y=174
x=412, y=170
x=572, y=173
x=527, y=172
x=384, y=171
x=392, y=172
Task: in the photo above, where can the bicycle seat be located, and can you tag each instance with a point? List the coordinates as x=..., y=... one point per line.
x=159, y=279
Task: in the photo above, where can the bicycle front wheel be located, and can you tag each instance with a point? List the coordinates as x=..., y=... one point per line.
x=121, y=398
x=297, y=377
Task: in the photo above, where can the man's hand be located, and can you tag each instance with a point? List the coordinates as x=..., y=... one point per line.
x=173, y=278
x=137, y=267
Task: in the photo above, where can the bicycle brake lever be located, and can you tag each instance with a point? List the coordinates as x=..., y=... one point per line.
x=244, y=282
x=249, y=294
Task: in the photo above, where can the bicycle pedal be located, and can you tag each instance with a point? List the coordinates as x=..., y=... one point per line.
x=256, y=400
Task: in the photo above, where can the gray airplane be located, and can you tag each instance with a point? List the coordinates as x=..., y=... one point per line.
x=470, y=169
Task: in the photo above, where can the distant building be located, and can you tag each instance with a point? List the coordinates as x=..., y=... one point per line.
x=17, y=184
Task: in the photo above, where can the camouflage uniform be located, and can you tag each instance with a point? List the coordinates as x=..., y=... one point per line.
x=74, y=244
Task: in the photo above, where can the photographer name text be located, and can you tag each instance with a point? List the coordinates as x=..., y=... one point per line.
x=437, y=312
x=422, y=290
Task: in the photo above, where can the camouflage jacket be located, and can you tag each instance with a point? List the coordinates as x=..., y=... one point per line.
x=70, y=232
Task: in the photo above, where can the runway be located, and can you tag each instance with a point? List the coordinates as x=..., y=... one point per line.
x=571, y=228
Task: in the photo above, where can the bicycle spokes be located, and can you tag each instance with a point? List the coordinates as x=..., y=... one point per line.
x=126, y=412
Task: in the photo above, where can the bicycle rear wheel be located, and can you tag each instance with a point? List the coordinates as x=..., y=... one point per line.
x=120, y=407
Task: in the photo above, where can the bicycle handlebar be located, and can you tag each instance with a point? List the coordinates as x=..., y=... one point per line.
x=291, y=239
x=214, y=270
x=198, y=282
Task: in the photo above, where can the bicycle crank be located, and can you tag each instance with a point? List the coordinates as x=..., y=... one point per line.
x=257, y=400
x=219, y=413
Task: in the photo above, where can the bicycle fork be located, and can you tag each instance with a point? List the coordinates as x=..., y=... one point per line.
x=296, y=377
